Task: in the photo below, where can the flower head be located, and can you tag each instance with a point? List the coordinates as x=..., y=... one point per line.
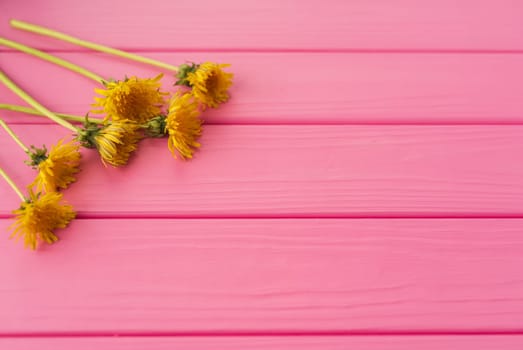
x=132, y=99
x=115, y=141
x=57, y=169
x=184, y=125
x=39, y=216
x=209, y=82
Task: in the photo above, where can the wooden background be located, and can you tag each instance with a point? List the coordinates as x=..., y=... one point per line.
x=362, y=189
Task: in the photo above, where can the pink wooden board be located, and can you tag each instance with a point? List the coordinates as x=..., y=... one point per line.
x=314, y=170
x=293, y=227
x=269, y=343
x=267, y=276
x=317, y=88
x=278, y=25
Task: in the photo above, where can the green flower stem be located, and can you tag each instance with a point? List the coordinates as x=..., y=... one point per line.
x=14, y=136
x=50, y=58
x=12, y=184
x=27, y=110
x=90, y=45
x=27, y=98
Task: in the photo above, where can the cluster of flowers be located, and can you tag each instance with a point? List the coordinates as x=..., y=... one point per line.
x=132, y=108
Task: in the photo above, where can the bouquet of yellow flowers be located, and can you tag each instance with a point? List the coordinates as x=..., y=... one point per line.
x=130, y=109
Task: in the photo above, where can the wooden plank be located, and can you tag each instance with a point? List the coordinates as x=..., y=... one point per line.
x=282, y=171
x=278, y=25
x=273, y=343
x=302, y=275
x=321, y=88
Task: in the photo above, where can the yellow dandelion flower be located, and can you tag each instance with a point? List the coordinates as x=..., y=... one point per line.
x=209, y=82
x=117, y=140
x=183, y=125
x=38, y=218
x=57, y=169
x=132, y=99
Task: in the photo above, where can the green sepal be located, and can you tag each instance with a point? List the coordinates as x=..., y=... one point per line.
x=155, y=127
x=183, y=71
x=36, y=156
x=87, y=134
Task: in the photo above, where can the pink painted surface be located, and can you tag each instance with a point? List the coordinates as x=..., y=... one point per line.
x=279, y=24
x=297, y=170
x=317, y=88
x=267, y=276
x=293, y=227
x=269, y=343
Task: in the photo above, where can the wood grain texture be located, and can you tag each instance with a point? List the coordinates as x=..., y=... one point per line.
x=275, y=171
x=332, y=275
x=266, y=343
x=277, y=24
x=278, y=88
x=284, y=232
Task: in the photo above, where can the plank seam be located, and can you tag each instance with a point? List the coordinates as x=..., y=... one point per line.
x=283, y=333
x=124, y=216
x=290, y=50
x=367, y=122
